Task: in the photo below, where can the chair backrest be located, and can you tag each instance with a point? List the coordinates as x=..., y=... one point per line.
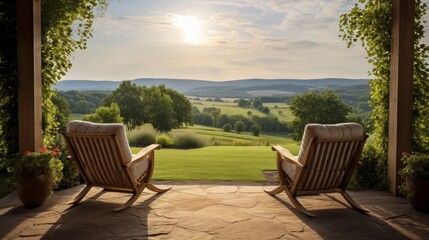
x=329, y=154
x=101, y=152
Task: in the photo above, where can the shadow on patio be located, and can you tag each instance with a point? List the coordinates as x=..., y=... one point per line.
x=212, y=211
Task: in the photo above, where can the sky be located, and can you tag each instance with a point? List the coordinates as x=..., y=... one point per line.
x=219, y=40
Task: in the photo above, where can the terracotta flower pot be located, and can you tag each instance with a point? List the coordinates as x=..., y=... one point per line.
x=33, y=191
x=420, y=197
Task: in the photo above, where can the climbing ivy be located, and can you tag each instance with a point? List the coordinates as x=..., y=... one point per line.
x=369, y=22
x=66, y=27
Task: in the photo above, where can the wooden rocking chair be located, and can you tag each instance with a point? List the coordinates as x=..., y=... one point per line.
x=327, y=159
x=103, y=158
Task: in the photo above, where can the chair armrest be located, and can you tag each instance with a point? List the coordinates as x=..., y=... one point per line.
x=288, y=156
x=143, y=153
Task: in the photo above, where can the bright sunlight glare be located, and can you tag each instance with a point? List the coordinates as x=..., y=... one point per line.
x=192, y=28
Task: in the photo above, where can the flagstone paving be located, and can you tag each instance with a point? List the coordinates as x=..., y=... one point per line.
x=211, y=211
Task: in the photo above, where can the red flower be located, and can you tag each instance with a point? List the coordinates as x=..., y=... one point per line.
x=56, y=149
x=53, y=153
x=405, y=154
x=43, y=149
x=26, y=152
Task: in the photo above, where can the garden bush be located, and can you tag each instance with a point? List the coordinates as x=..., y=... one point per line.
x=142, y=136
x=164, y=140
x=370, y=173
x=187, y=140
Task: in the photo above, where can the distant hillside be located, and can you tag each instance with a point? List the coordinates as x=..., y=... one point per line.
x=235, y=88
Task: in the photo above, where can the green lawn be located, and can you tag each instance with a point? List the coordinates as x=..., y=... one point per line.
x=215, y=163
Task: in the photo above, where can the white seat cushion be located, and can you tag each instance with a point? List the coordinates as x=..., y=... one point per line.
x=117, y=129
x=139, y=168
x=322, y=131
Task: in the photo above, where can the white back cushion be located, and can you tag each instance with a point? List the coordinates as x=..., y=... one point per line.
x=328, y=131
x=117, y=129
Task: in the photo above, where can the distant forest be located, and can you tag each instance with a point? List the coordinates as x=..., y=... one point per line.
x=86, y=102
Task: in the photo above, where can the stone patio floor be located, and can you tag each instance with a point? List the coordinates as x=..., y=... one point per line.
x=211, y=211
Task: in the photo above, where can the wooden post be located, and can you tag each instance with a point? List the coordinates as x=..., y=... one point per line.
x=401, y=88
x=29, y=74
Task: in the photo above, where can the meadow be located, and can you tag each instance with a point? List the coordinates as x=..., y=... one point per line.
x=228, y=156
x=230, y=108
x=228, y=162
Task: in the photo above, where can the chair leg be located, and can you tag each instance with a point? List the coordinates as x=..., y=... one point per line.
x=352, y=203
x=130, y=201
x=297, y=204
x=81, y=195
x=154, y=188
x=275, y=191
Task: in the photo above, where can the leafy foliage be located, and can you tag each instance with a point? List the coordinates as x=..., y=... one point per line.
x=369, y=22
x=128, y=96
x=313, y=107
x=110, y=114
x=164, y=140
x=370, y=171
x=256, y=129
x=188, y=140
x=62, y=113
x=66, y=27
x=239, y=126
x=163, y=107
x=43, y=163
x=83, y=101
x=227, y=127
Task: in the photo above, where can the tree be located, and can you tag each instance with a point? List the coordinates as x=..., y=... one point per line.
x=182, y=107
x=195, y=111
x=223, y=119
x=83, y=106
x=370, y=23
x=111, y=114
x=257, y=104
x=66, y=27
x=159, y=109
x=243, y=103
x=313, y=107
x=204, y=119
x=239, y=126
x=256, y=129
x=227, y=127
x=62, y=112
x=128, y=96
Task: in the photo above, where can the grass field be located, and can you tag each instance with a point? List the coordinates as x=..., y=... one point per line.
x=214, y=163
x=77, y=116
x=230, y=108
x=216, y=136
x=221, y=163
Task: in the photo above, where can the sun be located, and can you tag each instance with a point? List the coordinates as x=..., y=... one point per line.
x=192, y=28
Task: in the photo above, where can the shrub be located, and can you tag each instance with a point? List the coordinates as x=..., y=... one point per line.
x=369, y=173
x=164, y=140
x=227, y=127
x=188, y=140
x=256, y=129
x=239, y=126
x=142, y=136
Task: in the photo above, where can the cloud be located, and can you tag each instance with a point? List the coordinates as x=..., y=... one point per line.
x=158, y=20
x=310, y=14
x=228, y=19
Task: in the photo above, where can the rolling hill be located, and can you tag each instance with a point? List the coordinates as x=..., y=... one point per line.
x=234, y=88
